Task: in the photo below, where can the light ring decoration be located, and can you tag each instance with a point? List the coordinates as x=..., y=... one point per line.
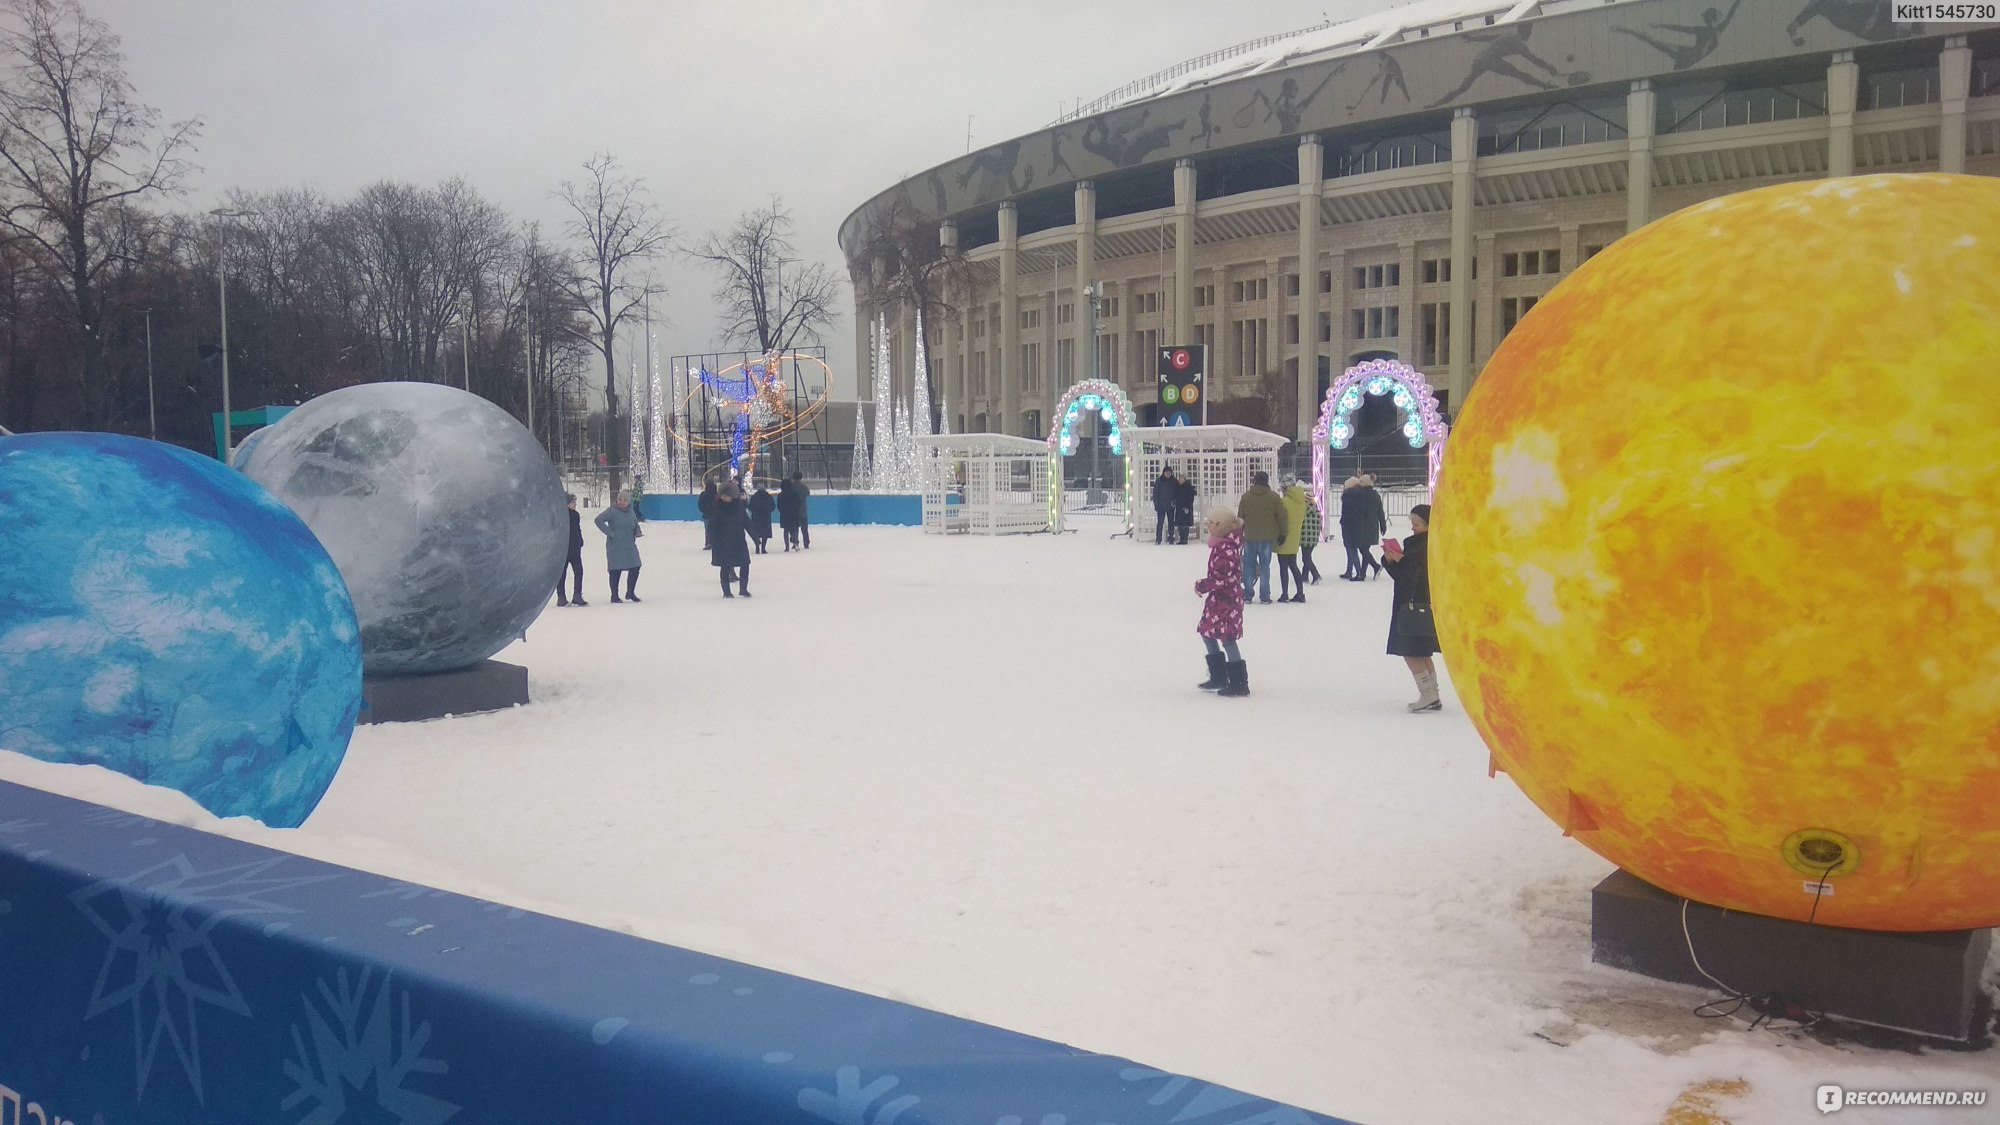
x=1422, y=424
x=763, y=414
x=1108, y=400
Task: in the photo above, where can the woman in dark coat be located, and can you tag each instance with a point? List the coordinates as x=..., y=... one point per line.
x=729, y=539
x=761, y=505
x=1362, y=521
x=1184, y=498
x=1412, y=633
x=791, y=512
x=705, y=503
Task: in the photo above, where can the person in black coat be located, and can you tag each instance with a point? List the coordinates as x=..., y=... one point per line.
x=575, y=560
x=790, y=506
x=705, y=503
x=1184, y=498
x=761, y=506
x=1412, y=633
x=1362, y=522
x=804, y=496
x=1166, y=493
x=729, y=538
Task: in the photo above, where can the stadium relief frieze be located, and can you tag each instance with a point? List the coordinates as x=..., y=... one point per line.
x=1595, y=46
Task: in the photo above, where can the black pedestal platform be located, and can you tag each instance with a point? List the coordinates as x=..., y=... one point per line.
x=1926, y=983
x=489, y=685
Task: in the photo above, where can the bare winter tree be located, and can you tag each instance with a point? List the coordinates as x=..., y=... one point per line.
x=75, y=151
x=615, y=229
x=765, y=306
x=913, y=268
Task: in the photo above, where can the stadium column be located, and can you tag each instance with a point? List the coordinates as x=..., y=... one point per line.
x=1640, y=108
x=1010, y=321
x=1843, y=82
x=1312, y=174
x=953, y=358
x=1086, y=273
x=1183, y=252
x=1954, y=84
x=1464, y=153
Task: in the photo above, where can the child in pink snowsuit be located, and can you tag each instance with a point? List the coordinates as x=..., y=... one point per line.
x=1222, y=615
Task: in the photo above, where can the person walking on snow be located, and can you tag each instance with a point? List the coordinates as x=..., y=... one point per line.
x=1289, y=574
x=1184, y=500
x=620, y=525
x=1263, y=516
x=804, y=495
x=1166, y=493
x=705, y=504
x=761, y=505
x=790, y=504
x=575, y=560
x=1309, y=533
x=1221, y=623
x=1412, y=633
x=1362, y=522
x=729, y=540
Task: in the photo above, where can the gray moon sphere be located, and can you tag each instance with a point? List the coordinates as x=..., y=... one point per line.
x=442, y=512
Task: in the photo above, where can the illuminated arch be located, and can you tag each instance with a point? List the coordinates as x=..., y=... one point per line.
x=1422, y=424
x=1110, y=403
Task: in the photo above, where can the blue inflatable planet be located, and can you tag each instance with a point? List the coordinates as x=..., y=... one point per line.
x=165, y=617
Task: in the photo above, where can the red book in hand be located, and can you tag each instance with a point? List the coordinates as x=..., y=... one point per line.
x=1391, y=546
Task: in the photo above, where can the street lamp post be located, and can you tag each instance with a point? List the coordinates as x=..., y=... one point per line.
x=222, y=289
x=1094, y=293
x=152, y=414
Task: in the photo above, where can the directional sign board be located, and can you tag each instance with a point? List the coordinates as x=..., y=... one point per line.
x=1183, y=385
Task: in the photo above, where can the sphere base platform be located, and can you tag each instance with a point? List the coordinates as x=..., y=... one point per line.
x=490, y=685
x=1922, y=983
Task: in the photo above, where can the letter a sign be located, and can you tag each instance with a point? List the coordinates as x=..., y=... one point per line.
x=1183, y=389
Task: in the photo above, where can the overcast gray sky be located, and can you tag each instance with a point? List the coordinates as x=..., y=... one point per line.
x=716, y=105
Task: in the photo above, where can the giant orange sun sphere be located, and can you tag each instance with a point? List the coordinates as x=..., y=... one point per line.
x=1716, y=552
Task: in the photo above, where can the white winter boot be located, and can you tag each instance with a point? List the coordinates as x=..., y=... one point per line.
x=1427, y=693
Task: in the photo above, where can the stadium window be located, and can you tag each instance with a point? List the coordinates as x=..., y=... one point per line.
x=1145, y=352
x=1395, y=274
x=1590, y=252
x=1374, y=277
x=1360, y=326
x=1031, y=367
x=1292, y=329
x=1066, y=360
x=1510, y=265
x=1291, y=285
x=1552, y=261
x=1510, y=313
x=1204, y=335
x=1475, y=269
x=1394, y=317
x=1326, y=281
x=1361, y=277
x=1431, y=344
x=1374, y=324
x=1031, y=423
x=1326, y=330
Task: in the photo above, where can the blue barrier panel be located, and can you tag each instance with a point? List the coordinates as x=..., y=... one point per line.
x=159, y=975
x=824, y=509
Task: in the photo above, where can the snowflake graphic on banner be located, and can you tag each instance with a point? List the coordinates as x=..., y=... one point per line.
x=162, y=960
x=359, y=1047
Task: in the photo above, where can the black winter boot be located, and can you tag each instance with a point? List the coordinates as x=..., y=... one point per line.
x=1218, y=675
x=1239, y=679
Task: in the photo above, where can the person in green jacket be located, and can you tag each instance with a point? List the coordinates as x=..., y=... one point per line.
x=1289, y=574
x=1263, y=516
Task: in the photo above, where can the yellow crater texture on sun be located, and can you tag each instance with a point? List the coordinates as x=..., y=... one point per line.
x=1716, y=552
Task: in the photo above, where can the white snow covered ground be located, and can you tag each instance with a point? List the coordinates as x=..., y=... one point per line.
x=975, y=775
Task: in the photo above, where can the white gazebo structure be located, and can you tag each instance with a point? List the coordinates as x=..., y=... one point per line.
x=984, y=484
x=1219, y=459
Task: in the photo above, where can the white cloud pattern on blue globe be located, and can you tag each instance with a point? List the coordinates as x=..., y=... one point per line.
x=166, y=618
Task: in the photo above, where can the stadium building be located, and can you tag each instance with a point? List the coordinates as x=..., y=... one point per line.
x=1403, y=185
